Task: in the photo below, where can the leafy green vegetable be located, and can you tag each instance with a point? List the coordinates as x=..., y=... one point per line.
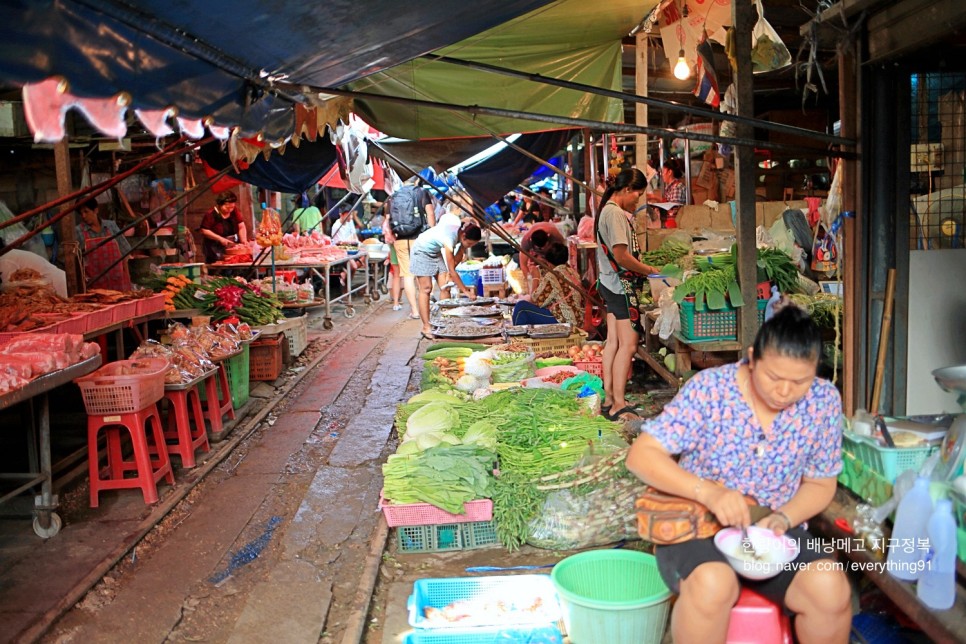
x=434, y=417
x=446, y=476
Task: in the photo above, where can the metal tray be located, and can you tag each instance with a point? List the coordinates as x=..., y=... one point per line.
x=191, y=383
x=228, y=357
x=489, y=332
x=48, y=381
x=255, y=335
x=553, y=331
x=465, y=301
x=482, y=313
x=952, y=379
x=520, y=329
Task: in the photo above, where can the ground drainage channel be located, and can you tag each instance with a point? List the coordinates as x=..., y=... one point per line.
x=189, y=482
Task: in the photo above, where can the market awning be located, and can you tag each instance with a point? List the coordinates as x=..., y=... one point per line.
x=220, y=59
x=295, y=171
x=492, y=178
x=571, y=40
x=438, y=154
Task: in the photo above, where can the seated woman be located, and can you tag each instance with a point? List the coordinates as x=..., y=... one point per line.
x=556, y=298
x=766, y=428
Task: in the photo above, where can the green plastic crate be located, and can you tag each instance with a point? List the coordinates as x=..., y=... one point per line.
x=444, y=537
x=236, y=369
x=701, y=324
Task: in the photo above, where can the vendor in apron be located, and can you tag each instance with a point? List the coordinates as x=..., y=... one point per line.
x=104, y=263
x=620, y=273
x=222, y=227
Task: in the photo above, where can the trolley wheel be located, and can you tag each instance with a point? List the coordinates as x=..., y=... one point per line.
x=375, y=295
x=327, y=323
x=49, y=531
x=350, y=312
x=368, y=300
x=383, y=289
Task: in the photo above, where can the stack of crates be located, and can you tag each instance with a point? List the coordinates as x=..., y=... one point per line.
x=503, y=608
x=422, y=527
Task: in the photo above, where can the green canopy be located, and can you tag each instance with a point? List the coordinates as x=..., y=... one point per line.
x=573, y=40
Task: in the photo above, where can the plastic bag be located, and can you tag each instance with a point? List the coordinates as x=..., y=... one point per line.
x=668, y=317
x=515, y=370
x=768, y=52
x=569, y=520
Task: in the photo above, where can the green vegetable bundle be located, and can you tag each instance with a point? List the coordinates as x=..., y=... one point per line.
x=248, y=302
x=446, y=476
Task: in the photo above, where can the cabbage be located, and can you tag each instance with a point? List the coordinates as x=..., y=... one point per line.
x=482, y=433
x=432, y=418
x=436, y=395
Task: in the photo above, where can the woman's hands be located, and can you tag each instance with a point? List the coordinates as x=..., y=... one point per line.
x=777, y=522
x=729, y=507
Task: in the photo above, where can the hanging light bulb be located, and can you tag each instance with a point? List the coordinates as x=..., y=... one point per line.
x=681, y=68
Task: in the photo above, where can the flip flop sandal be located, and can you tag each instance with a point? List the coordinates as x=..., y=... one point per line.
x=619, y=414
x=605, y=409
x=428, y=336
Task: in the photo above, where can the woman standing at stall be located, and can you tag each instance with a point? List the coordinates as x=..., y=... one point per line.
x=437, y=250
x=105, y=264
x=620, y=273
x=222, y=227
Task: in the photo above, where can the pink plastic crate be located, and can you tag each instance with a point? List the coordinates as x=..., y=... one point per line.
x=148, y=305
x=124, y=311
x=112, y=389
x=429, y=514
x=103, y=317
x=76, y=324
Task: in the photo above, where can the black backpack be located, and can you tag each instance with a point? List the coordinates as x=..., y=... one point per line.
x=406, y=216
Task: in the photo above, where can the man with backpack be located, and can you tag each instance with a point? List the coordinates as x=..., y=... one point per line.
x=410, y=211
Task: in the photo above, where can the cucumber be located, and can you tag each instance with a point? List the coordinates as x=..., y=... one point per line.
x=450, y=353
x=475, y=346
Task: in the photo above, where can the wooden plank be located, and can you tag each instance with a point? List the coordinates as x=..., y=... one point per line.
x=660, y=369
x=852, y=230
x=911, y=25
x=743, y=18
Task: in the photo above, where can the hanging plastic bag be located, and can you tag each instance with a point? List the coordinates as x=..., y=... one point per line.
x=768, y=52
x=824, y=251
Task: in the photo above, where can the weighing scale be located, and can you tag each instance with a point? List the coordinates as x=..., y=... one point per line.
x=953, y=380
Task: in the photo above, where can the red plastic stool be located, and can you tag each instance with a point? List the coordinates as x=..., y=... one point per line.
x=149, y=471
x=184, y=405
x=218, y=406
x=757, y=620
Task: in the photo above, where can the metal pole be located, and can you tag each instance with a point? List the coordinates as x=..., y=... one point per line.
x=743, y=19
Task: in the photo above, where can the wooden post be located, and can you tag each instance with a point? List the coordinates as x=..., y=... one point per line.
x=68, y=237
x=743, y=18
x=590, y=171
x=883, y=340
x=851, y=232
x=640, y=87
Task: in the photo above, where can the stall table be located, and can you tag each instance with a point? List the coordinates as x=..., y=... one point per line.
x=834, y=524
x=46, y=522
x=325, y=275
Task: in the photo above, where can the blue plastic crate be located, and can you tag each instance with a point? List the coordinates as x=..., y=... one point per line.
x=497, y=635
x=502, y=600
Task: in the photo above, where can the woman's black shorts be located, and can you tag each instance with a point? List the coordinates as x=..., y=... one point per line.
x=678, y=561
x=616, y=303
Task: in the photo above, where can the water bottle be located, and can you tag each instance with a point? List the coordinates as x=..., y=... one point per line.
x=937, y=582
x=907, y=552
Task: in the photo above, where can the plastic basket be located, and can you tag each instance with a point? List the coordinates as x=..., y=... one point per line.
x=428, y=514
x=526, y=600
x=494, y=635
x=492, y=275
x=75, y=324
x=594, y=368
x=151, y=304
x=888, y=462
x=699, y=323
x=111, y=391
x=412, y=539
x=99, y=319
x=297, y=335
x=265, y=359
x=613, y=596
x=236, y=369
x=865, y=482
x=553, y=345
x=124, y=311
x=469, y=278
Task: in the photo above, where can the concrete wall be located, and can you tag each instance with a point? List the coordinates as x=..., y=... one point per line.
x=937, y=326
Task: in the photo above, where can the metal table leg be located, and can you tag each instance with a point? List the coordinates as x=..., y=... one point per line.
x=327, y=319
x=47, y=523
